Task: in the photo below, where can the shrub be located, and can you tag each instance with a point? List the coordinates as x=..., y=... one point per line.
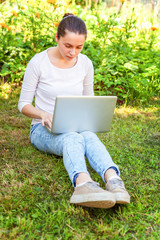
x=124, y=54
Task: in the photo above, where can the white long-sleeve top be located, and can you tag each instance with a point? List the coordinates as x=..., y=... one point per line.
x=44, y=81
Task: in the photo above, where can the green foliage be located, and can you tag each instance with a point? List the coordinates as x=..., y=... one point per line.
x=125, y=55
x=124, y=65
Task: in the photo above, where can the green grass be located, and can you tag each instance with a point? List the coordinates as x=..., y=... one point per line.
x=35, y=187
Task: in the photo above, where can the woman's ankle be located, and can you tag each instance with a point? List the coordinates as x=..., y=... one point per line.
x=82, y=178
x=110, y=173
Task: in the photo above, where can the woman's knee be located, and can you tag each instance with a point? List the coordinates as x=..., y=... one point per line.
x=87, y=135
x=74, y=137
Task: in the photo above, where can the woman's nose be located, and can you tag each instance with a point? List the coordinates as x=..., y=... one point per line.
x=72, y=51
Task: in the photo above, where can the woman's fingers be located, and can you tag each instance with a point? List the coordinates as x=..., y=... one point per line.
x=47, y=120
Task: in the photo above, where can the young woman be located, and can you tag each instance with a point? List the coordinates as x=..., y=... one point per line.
x=63, y=70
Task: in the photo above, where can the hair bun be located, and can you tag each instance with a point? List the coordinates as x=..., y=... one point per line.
x=68, y=14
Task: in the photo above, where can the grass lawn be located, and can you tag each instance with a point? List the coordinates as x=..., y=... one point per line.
x=35, y=187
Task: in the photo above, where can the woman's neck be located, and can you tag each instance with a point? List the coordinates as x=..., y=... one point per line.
x=58, y=61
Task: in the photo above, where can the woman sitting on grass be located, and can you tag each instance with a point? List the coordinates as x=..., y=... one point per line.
x=63, y=70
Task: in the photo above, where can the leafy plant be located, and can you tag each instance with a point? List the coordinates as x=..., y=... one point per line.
x=126, y=57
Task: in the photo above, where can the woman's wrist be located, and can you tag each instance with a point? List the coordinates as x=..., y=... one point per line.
x=30, y=111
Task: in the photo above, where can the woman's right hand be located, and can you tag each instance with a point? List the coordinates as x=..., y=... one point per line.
x=30, y=111
x=46, y=119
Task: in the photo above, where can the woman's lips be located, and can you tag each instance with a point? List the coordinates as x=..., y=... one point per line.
x=70, y=57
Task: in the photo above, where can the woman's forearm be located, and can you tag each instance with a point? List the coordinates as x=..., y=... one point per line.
x=30, y=111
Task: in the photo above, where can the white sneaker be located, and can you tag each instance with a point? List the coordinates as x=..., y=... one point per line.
x=91, y=195
x=116, y=186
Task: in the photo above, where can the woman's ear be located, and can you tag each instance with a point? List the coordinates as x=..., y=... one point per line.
x=56, y=37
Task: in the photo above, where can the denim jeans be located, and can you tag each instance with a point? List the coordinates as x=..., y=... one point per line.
x=74, y=147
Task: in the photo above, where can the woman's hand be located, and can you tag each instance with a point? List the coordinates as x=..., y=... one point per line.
x=31, y=111
x=46, y=119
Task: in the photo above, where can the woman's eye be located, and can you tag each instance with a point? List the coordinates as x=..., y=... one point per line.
x=68, y=46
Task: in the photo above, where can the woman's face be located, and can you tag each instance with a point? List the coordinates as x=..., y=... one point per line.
x=70, y=45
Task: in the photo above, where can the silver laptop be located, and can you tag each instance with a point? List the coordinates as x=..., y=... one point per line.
x=83, y=113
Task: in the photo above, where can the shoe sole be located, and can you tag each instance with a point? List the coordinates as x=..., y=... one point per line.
x=122, y=198
x=98, y=200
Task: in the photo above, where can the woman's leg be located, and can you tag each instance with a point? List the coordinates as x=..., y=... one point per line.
x=98, y=156
x=74, y=157
x=101, y=161
x=69, y=145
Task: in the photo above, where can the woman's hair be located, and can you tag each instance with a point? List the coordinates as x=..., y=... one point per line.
x=73, y=24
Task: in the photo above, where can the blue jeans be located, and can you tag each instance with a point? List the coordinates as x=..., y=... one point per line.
x=74, y=147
